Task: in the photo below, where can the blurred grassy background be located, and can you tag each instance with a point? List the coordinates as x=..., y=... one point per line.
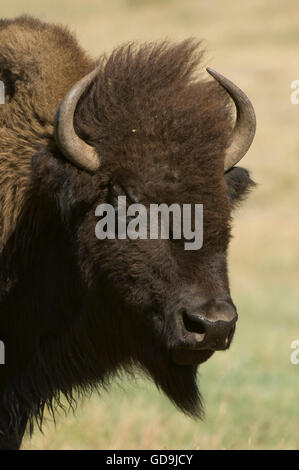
x=251, y=391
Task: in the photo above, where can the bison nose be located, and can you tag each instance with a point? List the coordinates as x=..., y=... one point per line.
x=211, y=325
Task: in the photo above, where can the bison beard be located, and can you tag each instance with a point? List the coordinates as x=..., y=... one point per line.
x=74, y=311
x=76, y=364
x=178, y=383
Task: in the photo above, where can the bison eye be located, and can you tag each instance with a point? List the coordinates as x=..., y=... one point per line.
x=116, y=190
x=120, y=199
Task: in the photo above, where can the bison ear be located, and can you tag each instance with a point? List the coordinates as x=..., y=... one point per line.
x=239, y=184
x=60, y=182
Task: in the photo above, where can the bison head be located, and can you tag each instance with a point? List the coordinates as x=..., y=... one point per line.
x=141, y=126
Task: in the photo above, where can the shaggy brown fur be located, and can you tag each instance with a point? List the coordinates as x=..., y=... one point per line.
x=75, y=310
x=38, y=63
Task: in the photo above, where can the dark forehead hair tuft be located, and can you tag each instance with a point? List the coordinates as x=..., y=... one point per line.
x=149, y=101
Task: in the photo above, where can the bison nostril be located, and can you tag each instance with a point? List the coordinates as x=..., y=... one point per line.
x=214, y=335
x=193, y=326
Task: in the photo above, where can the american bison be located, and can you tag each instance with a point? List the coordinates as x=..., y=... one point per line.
x=75, y=133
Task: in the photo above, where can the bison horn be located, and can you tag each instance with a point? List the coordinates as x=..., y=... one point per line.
x=244, y=130
x=74, y=148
